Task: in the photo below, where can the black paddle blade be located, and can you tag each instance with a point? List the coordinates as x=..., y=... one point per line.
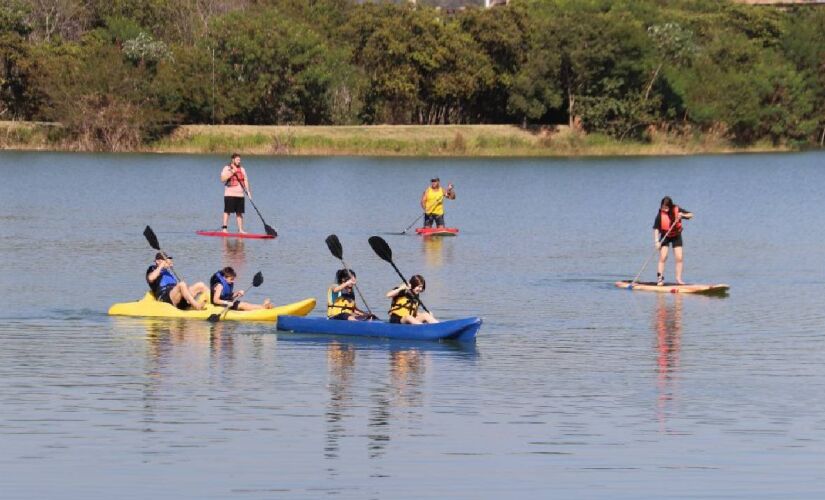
x=213, y=318
x=380, y=247
x=257, y=279
x=334, y=246
x=270, y=231
x=151, y=238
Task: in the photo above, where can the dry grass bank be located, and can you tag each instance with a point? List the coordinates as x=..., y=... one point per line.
x=385, y=140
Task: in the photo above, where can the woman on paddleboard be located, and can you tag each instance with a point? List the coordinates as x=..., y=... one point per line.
x=432, y=202
x=222, y=292
x=404, y=306
x=235, y=182
x=667, y=231
x=341, y=298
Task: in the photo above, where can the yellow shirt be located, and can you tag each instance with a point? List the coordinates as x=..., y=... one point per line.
x=434, y=201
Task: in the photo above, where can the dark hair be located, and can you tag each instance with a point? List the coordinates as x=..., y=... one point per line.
x=418, y=280
x=235, y=155
x=228, y=272
x=667, y=200
x=343, y=275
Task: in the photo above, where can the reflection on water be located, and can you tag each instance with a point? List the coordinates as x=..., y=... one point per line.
x=340, y=364
x=234, y=254
x=433, y=248
x=667, y=324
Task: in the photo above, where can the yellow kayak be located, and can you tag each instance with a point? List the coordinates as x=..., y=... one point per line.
x=148, y=306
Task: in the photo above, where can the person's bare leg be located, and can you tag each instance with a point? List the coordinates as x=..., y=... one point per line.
x=225, y=222
x=187, y=296
x=410, y=320
x=677, y=254
x=426, y=317
x=239, y=219
x=660, y=269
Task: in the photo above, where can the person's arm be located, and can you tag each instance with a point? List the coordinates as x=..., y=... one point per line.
x=656, y=238
x=337, y=288
x=424, y=201
x=216, y=295
x=395, y=291
x=226, y=173
x=685, y=214
x=450, y=192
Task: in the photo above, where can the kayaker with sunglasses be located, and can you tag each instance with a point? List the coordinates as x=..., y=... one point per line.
x=341, y=298
x=167, y=288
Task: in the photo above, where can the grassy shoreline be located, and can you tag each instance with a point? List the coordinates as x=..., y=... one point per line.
x=386, y=140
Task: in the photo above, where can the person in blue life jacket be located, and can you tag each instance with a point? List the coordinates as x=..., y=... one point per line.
x=222, y=292
x=166, y=287
x=341, y=298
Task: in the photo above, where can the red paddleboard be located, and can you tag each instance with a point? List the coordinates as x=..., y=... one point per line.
x=221, y=234
x=437, y=231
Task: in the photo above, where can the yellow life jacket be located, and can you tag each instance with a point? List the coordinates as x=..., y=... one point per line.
x=434, y=201
x=340, y=302
x=404, y=304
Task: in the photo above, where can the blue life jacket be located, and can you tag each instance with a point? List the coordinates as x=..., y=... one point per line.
x=226, y=291
x=165, y=280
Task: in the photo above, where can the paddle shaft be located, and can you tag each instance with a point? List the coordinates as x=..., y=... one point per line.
x=267, y=227
x=357, y=289
x=655, y=250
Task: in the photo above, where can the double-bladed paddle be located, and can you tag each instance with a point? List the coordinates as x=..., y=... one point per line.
x=383, y=250
x=334, y=245
x=269, y=230
x=257, y=280
x=153, y=242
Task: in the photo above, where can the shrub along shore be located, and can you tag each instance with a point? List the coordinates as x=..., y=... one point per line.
x=388, y=140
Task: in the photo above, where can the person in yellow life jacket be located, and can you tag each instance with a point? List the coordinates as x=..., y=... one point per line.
x=432, y=202
x=667, y=231
x=222, y=286
x=341, y=298
x=404, y=306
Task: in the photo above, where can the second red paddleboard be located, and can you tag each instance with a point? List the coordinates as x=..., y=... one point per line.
x=437, y=231
x=221, y=234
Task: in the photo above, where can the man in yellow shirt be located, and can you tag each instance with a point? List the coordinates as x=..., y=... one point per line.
x=432, y=202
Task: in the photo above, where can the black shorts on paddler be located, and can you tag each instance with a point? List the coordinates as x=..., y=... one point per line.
x=674, y=242
x=430, y=219
x=233, y=205
x=165, y=296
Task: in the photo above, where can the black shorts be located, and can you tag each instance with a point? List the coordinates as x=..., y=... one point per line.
x=674, y=242
x=164, y=295
x=394, y=318
x=430, y=219
x=233, y=204
x=344, y=316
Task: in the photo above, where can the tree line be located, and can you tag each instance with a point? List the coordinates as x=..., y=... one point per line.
x=118, y=73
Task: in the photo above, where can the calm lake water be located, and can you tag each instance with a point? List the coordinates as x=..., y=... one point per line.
x=574, y=389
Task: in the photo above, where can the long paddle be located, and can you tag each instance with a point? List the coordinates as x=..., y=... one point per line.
x=153, y=242
x=269, y=230
x=655, y=250
x=256, y=282
x=337, y=250
x=384, y=251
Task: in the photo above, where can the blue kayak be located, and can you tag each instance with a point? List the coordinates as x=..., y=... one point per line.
x=462, y=330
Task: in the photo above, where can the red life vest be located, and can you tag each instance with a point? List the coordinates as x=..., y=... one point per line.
x=665, y=218
x=236, y=177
